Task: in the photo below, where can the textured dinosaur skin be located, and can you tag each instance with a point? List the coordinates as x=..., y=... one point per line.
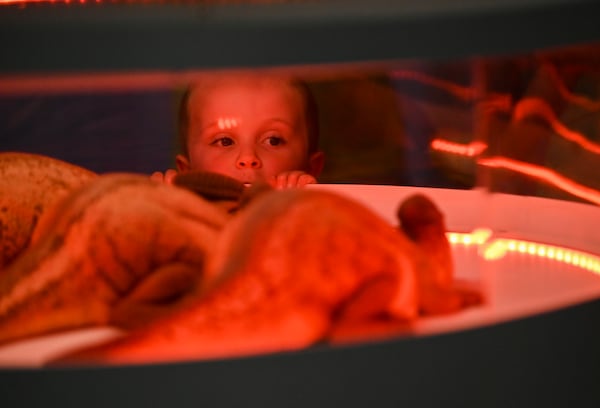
x=106, y=254
x=206, y=268
x=315, y=259
x=29, y=184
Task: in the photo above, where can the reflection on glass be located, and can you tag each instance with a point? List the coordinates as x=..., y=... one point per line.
x=539, y=128
x=520, y=124
x=525, y=128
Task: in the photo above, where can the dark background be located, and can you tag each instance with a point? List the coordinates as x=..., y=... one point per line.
x=101, y=131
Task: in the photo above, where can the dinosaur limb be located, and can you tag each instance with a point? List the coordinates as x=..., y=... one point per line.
x=277, y=329
x=29, y=184
x=282, y=267
x=106, y=240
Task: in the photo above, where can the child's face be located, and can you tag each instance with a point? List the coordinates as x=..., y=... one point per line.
x=251, y=129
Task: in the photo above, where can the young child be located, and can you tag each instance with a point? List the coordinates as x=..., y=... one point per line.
x=250, y=127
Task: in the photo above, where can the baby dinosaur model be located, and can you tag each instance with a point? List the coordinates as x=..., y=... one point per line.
x=285, y=270
x=226, y=271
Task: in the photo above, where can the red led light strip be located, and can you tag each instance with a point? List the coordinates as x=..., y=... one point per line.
x=470, y=150
x=539, y=172
x=25, y=2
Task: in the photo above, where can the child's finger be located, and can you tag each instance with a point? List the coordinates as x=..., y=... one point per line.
x=169, y=176
x=166, y=178
x=281, y=181
x=306, y=179
x=292, y=179
x=157, y=176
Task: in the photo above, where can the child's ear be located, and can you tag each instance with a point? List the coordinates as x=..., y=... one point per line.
x=316, y=161
x=182, y=162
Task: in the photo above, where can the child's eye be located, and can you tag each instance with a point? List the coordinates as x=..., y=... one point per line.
x=274, y=140
x=224, y=141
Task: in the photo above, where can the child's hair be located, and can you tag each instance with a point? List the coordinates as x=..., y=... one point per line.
x=310, y=108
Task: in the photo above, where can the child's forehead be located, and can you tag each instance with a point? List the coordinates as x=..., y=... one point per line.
x=207, y=89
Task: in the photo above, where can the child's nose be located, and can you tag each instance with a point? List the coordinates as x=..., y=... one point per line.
x=248, y=161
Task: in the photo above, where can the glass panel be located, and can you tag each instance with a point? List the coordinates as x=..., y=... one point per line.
x=507, y=146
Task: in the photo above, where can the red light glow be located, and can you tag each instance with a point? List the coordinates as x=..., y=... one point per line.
x=25, y=2
x=543, y=174
x=497, y=248
x=470, y=150
x=538, y=107
x=569, y=96
x=465, y=93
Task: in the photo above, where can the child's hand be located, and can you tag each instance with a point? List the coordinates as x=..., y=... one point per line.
x=292, y=179
x=166, y=178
